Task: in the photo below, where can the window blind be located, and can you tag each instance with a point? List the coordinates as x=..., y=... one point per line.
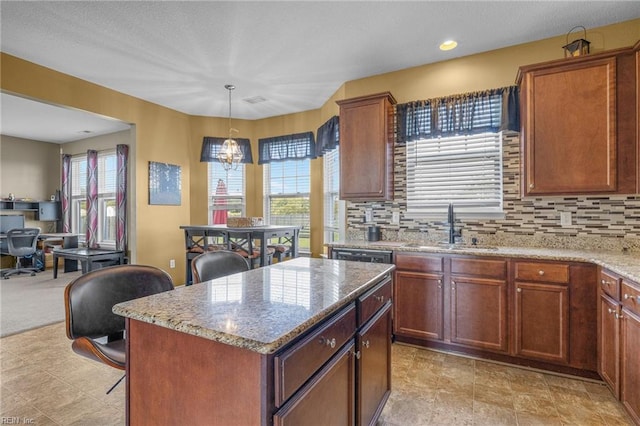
x=228, y=196
x=333, y=206
x=463, y=170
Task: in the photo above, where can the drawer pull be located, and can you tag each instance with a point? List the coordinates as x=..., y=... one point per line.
x=366, y=344
x=541, y=272
x=328, y=342
x=379, y=298
x=611, y=310
x=519, y=290
x=356, y=354
x=618, y=316
x=629, y=296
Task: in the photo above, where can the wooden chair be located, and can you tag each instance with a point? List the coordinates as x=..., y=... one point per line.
x=97, y=333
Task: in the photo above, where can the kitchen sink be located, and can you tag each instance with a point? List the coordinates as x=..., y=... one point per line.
x=455, y=246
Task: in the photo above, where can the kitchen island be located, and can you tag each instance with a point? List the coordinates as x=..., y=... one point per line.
x=302, y=341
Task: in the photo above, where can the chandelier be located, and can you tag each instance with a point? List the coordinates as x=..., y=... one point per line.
x=230, y=154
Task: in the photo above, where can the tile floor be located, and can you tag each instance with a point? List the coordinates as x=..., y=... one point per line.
x=44, y=382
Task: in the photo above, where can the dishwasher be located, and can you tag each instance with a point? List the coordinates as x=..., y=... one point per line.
x=362, y=255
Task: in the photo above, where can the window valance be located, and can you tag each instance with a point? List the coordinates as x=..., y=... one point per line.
x=328, y=136
x=211, y=147
x=288, y=147
x=465, y=114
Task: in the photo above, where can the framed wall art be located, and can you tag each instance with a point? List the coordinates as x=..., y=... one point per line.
x=165, y=184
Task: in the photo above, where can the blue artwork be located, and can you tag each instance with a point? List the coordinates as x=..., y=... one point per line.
x=165, y=184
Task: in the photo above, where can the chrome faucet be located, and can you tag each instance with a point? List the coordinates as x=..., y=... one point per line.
x=451, y=219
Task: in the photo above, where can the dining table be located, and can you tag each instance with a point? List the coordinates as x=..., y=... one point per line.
x=199, y=238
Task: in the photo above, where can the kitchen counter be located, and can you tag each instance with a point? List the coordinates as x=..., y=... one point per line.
x=260, y=310
x=626, y=265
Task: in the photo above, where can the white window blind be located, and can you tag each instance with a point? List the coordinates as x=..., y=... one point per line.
x=286, y=196
x=333, y=206
x=463, y=170
x=226, y=190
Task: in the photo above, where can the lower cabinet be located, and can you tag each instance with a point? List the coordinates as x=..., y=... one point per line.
x=609, y=343
x=419, y=303
x=328, y=399
x=630, y=349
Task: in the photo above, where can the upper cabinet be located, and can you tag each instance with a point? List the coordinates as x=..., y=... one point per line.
x=579, y=125
x=366, y=147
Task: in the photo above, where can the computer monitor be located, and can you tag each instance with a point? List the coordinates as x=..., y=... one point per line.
x=8, y=222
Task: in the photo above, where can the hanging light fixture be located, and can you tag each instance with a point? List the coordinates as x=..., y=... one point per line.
x=230, y=154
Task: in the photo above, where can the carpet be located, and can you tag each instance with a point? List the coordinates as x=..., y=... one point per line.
x=28, y=302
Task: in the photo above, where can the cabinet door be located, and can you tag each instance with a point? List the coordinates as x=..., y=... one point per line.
x=47, y=211
x=328, y=398
x=374, y=367
x=630, y=364
x=569, y=121
x=542, y=321
x=479, y=313
x=366, y=148
x=418, y=304
x=608, y=343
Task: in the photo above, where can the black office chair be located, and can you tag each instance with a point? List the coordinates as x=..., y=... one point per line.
x=215, y=264
x=22, y=243
x=97, y=332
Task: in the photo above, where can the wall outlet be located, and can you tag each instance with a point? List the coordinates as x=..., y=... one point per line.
x=395, y=218
x=172, y=263
x=368, y=215
x=565, y=219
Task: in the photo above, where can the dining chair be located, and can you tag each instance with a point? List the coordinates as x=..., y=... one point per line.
x=216, y=264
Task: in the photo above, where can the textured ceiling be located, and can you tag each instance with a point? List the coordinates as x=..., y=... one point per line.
x=294, y=54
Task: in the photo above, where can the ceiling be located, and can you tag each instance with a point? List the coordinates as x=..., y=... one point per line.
x=291, y=54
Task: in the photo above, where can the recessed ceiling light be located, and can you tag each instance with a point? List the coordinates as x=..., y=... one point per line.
x=448, y=45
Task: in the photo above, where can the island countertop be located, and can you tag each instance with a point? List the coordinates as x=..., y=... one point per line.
x=262, y=309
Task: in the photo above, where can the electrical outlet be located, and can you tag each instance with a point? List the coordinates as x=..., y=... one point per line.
x=172, y=263
x=395, y=218
x=368, y=215
x=565, y=219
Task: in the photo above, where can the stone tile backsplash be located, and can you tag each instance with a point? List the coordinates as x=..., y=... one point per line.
x=599, y=222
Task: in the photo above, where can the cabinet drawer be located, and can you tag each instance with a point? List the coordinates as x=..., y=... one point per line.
x=630, y=296
x=296, y=365
x=418, y=262
x=370, y=302
x=610, y=284
x=480, y=267
x=544, y=272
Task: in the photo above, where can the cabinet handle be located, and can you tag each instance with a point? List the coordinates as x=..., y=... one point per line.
x=540, y=272
x=531, y=186
x=629, y=296
x=610, y=310
x=379, y=298
x=328, y=342
x=519, y=290
x=356, y=354
x=366, y=344
x=618, y=316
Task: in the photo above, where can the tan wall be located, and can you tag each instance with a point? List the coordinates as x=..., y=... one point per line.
x=168, y=136
x=28, y=168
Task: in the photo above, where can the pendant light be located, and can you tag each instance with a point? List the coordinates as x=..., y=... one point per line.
x=230, y=154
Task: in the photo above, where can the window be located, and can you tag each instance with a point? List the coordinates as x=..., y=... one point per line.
x=107, y=171
x=226, y=193
x=463, y=170
x=333, y=206
x=286, y=196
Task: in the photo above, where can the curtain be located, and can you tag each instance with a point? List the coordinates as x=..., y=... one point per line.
x=66, y=193
x=122, y=157
x=211, y=147
x=328, y=136
x=288, y=147
x=466, y=114
x=92, y=199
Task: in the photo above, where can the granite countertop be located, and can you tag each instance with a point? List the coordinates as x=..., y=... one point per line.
x=260, y=310
x=627, y=265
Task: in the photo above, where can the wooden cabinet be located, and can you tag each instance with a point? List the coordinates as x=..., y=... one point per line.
x=418, y=307
x=542, y=311
x=328, y=399
x=609, y=343
x=630, y=349
x=374, y=372
x=579, y=125
x=366, y=147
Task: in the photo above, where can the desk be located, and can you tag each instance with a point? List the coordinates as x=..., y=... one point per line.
x=87, y=257
x=197, y=236
x=68, y=241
